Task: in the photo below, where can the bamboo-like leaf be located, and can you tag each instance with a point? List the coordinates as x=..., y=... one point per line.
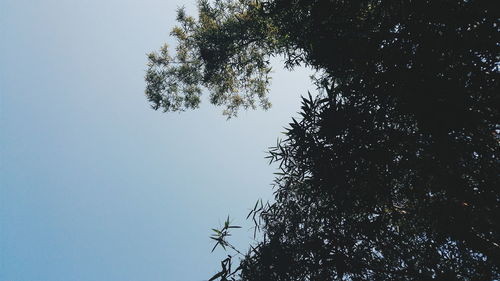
x=217, y=275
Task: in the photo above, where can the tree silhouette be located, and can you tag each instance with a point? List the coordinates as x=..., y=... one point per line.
x=391, y=173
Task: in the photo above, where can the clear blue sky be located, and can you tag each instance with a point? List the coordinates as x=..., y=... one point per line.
x=94, y=185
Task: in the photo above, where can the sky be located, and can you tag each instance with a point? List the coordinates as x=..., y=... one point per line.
x=96, y=186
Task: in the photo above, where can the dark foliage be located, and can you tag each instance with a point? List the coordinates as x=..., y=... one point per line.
x=391, y=173
x=364, y=195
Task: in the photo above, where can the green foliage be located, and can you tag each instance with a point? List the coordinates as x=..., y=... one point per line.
x=391, y=173
x=224, y=51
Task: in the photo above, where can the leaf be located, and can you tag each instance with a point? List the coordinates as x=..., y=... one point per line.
x=217, y=275
x=251, y=211
x=215, y=246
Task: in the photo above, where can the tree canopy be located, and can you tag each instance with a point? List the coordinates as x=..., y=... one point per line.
x=391, y=173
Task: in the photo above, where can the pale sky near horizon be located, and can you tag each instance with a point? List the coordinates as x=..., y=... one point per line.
x=96, y=186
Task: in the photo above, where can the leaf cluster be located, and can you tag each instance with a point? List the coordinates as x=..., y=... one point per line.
x=378, y=200
x=224, y=51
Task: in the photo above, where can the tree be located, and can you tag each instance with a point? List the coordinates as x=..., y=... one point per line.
x=392, y=172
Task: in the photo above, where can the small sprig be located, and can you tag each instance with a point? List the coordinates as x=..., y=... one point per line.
x=221, y=235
